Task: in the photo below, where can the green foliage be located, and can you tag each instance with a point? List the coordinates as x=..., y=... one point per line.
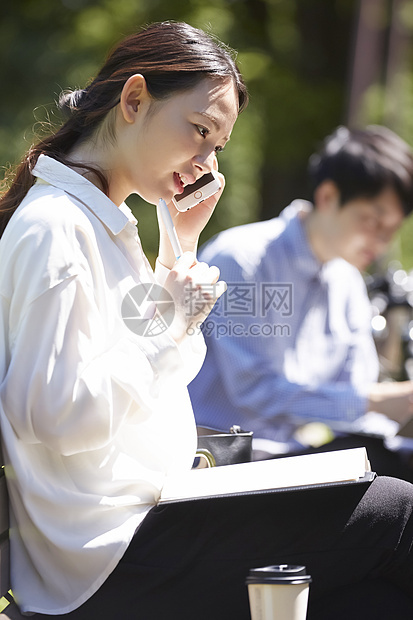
x=294, y=55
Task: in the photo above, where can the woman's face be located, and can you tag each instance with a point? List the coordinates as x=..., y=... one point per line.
x=172, y=143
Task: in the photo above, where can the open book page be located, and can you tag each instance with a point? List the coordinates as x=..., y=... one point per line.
x=293, y=471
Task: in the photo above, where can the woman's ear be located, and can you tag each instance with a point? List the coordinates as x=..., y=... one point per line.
x=134, y=94
x=327, y=197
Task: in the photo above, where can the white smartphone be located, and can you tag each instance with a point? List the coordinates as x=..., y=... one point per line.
x=193, y=194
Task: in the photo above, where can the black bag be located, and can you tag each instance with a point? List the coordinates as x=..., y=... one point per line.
x=228, y=448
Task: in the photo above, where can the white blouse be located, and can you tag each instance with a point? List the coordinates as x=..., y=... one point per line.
x=93, y=416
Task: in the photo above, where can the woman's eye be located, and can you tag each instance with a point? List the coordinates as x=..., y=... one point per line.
x=202, y=130
x=204, y=133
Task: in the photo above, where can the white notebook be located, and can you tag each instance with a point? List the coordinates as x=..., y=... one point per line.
x=324, y=468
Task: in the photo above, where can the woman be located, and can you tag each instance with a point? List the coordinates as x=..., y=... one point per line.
x=95, y=414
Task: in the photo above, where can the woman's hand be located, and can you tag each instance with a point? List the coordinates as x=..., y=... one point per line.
x=194, y=288
x=188, y=224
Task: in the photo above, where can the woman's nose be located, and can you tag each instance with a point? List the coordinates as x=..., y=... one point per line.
x=205, y=162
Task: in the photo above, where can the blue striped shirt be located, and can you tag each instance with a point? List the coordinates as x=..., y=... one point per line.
x=290, y=341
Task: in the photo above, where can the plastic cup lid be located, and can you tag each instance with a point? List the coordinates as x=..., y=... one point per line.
x=286, y=574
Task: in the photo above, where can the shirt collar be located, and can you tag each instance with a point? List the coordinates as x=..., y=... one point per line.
x=57, y=174
x=299, y=250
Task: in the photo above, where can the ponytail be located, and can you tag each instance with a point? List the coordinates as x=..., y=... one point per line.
x=22, y=182
x=56, y=145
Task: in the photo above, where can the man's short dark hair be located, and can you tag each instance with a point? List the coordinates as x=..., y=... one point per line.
x=364, y=162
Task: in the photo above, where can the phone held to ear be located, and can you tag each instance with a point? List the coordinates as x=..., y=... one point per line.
x=193, y=194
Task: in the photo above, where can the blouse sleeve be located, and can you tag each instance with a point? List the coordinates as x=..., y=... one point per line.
x=70, y=383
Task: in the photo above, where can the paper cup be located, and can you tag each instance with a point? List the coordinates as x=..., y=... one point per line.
x=278, y=592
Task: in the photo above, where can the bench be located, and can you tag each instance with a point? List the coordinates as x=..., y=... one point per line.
x=10, y=612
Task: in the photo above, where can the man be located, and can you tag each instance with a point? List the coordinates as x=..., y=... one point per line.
x=290, y=342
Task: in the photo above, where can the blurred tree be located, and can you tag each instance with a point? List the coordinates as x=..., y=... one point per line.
x=301, y=93
x=295, y=55
x=381, y=82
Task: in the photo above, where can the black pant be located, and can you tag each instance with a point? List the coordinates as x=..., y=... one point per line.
x=189, y=561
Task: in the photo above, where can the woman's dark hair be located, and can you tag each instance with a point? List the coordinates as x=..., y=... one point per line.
x=172, y=56
x=362, y=163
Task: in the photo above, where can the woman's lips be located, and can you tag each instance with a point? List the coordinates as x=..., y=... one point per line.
x=179, y=186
